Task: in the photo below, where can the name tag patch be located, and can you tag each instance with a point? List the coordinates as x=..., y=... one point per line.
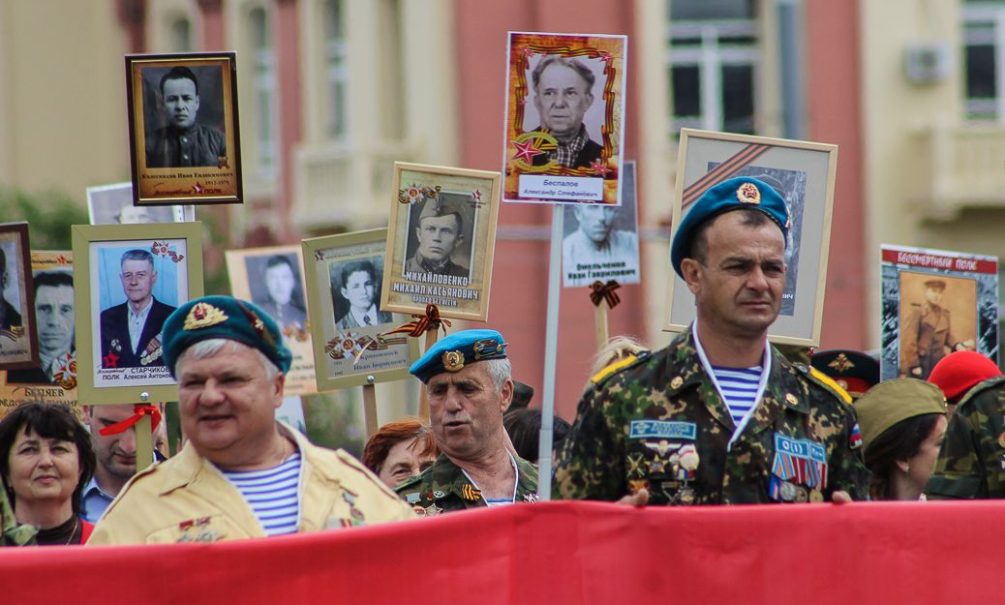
x=800, y=448
x=663, y=429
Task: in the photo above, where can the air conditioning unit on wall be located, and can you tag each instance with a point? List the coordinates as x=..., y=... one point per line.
x=927, y=62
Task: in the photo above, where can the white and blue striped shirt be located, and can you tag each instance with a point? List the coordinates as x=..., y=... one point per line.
x=738, y=387
x=272, y=494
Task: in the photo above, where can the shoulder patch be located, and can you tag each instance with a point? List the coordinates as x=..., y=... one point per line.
x=616, y=367
x=825, y=381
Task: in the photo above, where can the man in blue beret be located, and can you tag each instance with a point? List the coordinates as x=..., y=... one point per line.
x=468, y=380
x=242, y=473
x=719, y=416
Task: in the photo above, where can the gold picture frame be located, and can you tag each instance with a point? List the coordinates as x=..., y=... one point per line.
x=109, y=368
x=349, y=351
x=455, y=274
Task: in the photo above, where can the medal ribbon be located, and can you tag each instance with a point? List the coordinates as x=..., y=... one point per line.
x=139, y=411
x=422, y=324
x=601, y=292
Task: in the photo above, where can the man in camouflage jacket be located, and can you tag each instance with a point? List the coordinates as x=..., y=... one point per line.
x=971, y=462
x=443, y=487
x=659, y=428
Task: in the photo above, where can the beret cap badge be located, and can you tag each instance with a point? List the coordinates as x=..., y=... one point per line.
x=453, y=361
x=204, y=315
x=748, y=193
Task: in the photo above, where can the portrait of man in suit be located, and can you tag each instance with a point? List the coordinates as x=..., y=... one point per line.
x=358, y=281
x=130, y=332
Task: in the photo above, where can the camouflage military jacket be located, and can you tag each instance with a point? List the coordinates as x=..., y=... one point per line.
x=634, y=428
x=443, y=487
x=971, y=462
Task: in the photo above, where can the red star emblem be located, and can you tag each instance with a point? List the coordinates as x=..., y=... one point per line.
x=526, y=151
x=600, y=168
x=110, y=361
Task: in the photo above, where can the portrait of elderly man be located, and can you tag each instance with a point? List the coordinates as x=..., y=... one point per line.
x=719, y=416
x=596, y=241
x=468, y=379
x=439, y=234
x=182, y=141
x=281, y=299
x=358, y=285
x=130, y=332
x=55, y=322
x=242, y=473
x=563, y=92
x=9, y=316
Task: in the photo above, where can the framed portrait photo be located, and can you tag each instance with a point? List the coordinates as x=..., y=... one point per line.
x=565, y=108
x=273, y=279
x=113, y=205
x=183, y=129
x=54, y=378
x=601, y=241
x=344, y=277
x=803, y=174
x=128, y=279
x=935, y=302
x=440, y=241
x=18, y=342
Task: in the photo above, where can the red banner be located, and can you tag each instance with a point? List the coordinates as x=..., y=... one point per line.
x=558, y=553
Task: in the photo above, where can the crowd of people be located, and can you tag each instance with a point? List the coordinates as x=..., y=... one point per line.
x=719, y=416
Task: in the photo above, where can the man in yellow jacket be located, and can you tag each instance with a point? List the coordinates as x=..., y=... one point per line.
x=242, y=474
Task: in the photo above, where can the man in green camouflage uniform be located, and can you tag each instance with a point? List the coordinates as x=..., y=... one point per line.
x=972, y=460
x=658, y=429
x=469, y=384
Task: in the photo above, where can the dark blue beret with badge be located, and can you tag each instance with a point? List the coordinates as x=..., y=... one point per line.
x=223, y=317
x=458, y=350
x=731, y=194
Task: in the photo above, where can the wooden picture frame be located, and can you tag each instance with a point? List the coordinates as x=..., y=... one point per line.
x=349, y=351
x=184, y=137
x=560, y=86
x=804, y=174
x=263, y=275
x=18, y=338
x=931, y=295
x=451, y=271
x=112, y=269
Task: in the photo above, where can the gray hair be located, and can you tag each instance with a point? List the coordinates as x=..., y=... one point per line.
x=500, y=370
x=212, y=346
x=136, y=254
x=575, y=64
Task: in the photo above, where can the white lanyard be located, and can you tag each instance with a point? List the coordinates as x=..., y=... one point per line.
x=761, y=384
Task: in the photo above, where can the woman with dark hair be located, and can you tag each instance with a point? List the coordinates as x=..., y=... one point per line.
x=903, y=423
x=45, y=461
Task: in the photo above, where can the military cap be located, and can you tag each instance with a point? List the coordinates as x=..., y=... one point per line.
x=223, y=317
x=854, y=371
x=960, y=371
x=522, y=394
x=893, y=401
x=435, y=207
x=937, y=284
x=457, y=350
x=731, y=194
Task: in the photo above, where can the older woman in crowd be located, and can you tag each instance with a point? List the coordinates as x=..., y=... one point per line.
x=903, y=423
x=399, y=450
x=45, y=461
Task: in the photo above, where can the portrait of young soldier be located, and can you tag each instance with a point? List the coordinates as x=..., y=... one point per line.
x=439, y=233
x=283, y=298
x=563, y=92
x=180, y=140
x=130, y=332
x=929, y=333
x=719, y=416
x=55, y=324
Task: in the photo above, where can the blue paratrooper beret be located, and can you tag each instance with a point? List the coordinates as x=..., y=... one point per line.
x=731, y=194
x=223, y=317
x=457, y=350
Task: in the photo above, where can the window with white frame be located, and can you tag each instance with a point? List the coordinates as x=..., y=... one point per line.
x=713, y=64
x=984, y=60
x=265, y=98
x=336, y=70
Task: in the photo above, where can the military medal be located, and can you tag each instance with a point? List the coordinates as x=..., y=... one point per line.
x=816, y=496
x=802, y=495
x=787, y=491
x=687, y=495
